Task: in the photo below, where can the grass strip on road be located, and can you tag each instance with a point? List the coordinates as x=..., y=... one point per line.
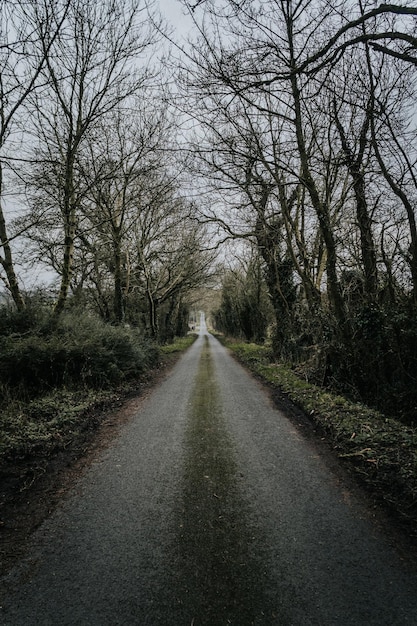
x=220, y=581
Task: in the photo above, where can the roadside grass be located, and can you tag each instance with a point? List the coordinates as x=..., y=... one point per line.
x=179, y=345
x=40, y=427
x=381, y=451
x=58, y=420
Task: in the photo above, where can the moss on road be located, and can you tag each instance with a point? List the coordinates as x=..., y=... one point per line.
x=221, y=581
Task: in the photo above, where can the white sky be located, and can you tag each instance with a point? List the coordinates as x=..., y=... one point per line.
x=175, y=14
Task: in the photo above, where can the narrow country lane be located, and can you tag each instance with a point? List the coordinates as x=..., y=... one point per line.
x=210, y=509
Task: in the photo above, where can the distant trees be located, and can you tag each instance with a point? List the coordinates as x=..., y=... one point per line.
x=138, y=249
x=173, y=259
x=245, y=309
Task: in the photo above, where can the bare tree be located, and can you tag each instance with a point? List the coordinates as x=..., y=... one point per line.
x=172, y=255
x=93, y=67
x=24, y=52
x=273, y=58
x=124, y=159
x=259, y=67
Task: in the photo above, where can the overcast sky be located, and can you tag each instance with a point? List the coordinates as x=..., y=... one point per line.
x=176, y=16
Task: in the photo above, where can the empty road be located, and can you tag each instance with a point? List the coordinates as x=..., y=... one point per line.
x=209, y=508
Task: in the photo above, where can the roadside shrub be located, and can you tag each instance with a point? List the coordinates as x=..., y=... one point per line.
x=20, y=322
x=378, y=366
x=47, y=424
x=78, y=350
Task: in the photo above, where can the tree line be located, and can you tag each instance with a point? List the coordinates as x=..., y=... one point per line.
x=300, y=151
x=307, y=149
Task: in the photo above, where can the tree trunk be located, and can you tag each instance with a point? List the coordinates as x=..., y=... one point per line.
x=279, y=280
x=322, y=212
x=311, y=291
x=7, y=259
x=153, y=315
x=119, y=308
x=67, y=264
x=367, y=240
x=69, y=213
x=364, y=221
x=171, y=318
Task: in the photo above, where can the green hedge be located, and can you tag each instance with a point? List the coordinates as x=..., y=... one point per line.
x=76, y=351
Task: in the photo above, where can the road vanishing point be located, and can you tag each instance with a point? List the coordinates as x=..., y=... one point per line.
x=211, y=508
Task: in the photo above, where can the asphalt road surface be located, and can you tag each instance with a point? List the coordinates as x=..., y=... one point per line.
x=210, y=508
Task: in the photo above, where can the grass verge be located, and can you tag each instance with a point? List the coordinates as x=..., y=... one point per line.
x=380, y=450
x=179, y=345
